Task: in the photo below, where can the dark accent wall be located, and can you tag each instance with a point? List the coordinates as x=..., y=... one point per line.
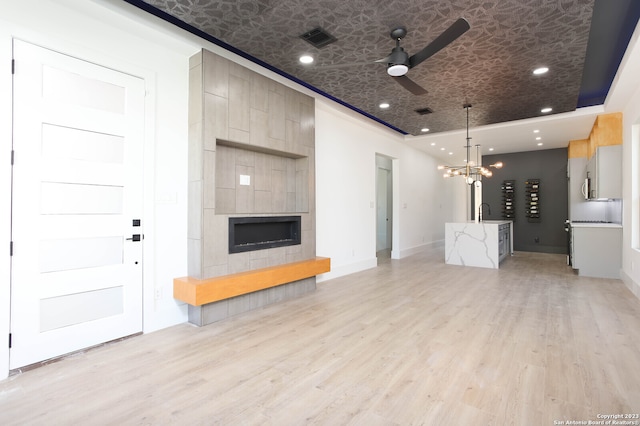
x=550, y=166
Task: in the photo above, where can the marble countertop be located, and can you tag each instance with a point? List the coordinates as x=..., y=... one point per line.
x=494, y=222
x=487, y=222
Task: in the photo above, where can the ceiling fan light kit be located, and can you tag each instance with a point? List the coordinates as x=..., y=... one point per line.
x=397, y=70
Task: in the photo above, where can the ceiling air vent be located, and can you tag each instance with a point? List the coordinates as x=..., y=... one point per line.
x=424, y=111
x=318, y=37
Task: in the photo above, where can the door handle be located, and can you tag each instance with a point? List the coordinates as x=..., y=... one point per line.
x=135, y=237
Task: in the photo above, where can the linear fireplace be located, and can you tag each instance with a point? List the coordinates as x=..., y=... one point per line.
x=258, y=233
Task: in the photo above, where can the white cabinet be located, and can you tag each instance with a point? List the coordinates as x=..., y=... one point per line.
x=596, y=249
x=605, y=171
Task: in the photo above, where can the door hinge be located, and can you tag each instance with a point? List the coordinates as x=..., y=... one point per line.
x=9, y=340
x=13, y=66
x=10, y=248
x=13, y=153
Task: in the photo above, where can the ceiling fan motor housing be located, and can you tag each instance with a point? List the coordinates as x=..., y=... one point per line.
x=398, y=57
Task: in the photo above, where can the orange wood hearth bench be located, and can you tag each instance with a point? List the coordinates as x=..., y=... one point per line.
x=198, y=292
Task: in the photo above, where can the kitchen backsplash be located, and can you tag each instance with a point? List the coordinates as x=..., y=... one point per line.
x=614, y=211
x=597, y=211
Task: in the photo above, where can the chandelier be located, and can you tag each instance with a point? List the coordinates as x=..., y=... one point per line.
x=470, y=171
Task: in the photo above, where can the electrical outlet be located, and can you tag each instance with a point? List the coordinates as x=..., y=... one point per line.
x=158, y=293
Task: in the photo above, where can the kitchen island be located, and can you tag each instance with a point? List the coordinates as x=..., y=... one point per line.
x=483, y=244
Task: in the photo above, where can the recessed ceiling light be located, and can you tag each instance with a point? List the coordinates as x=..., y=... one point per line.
x=441, y=149
x=424, y=130
x=433, y=144
x=540, y=143
x=546, y=110
x=490, y=149
x=536, y=131
x=451, y=153
x=384, y=105
x=306, y=59
x=538, y=138
x=540, y=71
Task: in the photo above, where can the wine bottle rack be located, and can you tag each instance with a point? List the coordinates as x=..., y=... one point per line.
x=509, y=199
x=533, y=200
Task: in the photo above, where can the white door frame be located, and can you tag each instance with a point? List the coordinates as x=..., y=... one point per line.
x=6, y=119
x=87, y=289
x=392, y=165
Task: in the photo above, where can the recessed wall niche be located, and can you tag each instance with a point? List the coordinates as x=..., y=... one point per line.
x=257, y=180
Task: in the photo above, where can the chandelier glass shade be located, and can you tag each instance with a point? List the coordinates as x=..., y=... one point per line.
x=472, y=172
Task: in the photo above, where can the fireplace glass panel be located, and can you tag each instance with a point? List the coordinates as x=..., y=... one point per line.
x=259, y=233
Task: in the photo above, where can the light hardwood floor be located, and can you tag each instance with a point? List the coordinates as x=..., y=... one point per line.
x=413, y=341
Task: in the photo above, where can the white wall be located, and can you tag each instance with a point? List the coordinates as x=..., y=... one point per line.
x=626, y=98
x=346, y=149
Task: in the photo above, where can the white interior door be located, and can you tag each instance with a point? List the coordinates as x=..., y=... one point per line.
x=384, y=210
x=77, y=188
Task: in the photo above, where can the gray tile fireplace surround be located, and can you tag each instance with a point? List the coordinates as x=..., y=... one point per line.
x=251, y=153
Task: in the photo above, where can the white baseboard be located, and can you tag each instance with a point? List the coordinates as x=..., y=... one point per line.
x=346, y=269
x=416, y=249
x=361, y=265
x=633, y=286
x=171, y=313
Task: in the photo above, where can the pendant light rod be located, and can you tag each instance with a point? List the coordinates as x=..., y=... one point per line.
x=468, y=146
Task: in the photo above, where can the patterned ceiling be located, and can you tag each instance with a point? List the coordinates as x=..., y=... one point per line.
x=489, y=66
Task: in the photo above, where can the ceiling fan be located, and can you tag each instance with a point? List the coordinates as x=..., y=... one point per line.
x=399, y=62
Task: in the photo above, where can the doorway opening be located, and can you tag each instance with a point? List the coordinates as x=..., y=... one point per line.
x=384, y=206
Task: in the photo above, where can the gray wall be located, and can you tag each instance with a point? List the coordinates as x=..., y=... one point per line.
x=550, y=166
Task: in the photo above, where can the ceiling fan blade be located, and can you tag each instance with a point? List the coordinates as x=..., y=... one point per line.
x=410, y=85
x=458, y=28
